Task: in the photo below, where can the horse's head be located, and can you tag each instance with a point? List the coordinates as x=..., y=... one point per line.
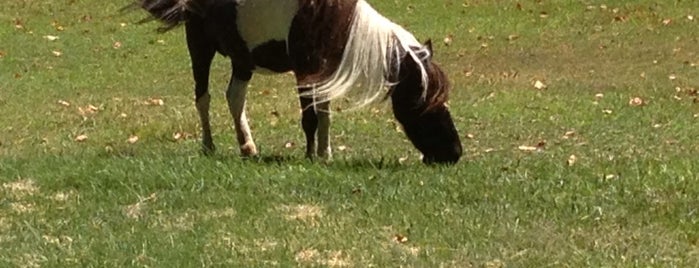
x=423, y=112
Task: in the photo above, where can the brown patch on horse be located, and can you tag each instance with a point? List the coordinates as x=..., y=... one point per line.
x=317, y=53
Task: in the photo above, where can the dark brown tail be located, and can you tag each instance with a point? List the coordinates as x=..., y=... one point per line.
x=170, y=12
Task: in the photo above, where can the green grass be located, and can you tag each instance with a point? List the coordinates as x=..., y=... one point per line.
x=629, y=198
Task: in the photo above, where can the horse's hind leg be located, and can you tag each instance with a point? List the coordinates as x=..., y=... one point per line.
x=315, y=119
x=323, y=113
x=237, y=90
x=202, y=53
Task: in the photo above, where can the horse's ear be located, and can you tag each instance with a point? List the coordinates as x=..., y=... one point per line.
x=428, y=45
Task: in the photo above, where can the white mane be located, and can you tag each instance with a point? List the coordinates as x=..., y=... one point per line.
x=374, y=44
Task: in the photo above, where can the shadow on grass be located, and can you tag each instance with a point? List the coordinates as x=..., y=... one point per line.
x=270, y=159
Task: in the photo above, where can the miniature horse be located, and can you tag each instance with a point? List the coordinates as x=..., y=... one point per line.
x=334, y=48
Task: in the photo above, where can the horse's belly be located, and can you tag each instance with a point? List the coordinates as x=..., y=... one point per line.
x=262, y=21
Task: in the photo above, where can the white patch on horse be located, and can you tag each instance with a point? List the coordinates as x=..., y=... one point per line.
x=261, y=21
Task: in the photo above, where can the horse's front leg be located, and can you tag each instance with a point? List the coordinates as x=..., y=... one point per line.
x=235, y=95
x=315, y=120
x=202, y=53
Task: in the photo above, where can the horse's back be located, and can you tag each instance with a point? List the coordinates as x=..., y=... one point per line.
x=262, y=21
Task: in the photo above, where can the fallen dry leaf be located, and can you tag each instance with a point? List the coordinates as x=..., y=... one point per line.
x=18, y=24
x=636, y=101
x=57, y=53
x=572, y=159
x=51, y=37
x=539, y=85
x=667, y=21
x=64, y=103
x=341, y=148
x=448, y=39
x=607, y=111
x=527, y=148
x=289, y=144
x=132, y=139
x=116, y=45
x=88, y=110
x=181, y=135
x=400, y=239
x=155, y=102
x=569, y=134
x=690, y=17
x=57, y=26
x=81, y=138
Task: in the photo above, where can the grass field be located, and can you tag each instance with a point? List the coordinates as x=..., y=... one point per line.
x=597, y=165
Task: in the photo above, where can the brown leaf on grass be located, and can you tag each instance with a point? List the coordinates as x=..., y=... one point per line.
x=400, y=239
x=621, y=18
x=2, y=54
x=57, y=26
x=448, y=40
x=80, y=138
x=667, y=21
x=527, y=148
x=57, y=53
x=637, y=101
x=569, y=134
x=132, y=139
x=51, y=37
x=512, y=37
x=64, y=103
x=181, y=136
x=88, y=110
x=116, y=45
x=572, y=159
x=154, y=102
x=18, y=24
x=540, y=85
x=342, y=148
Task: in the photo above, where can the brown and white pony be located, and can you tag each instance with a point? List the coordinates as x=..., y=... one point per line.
x=334, y=47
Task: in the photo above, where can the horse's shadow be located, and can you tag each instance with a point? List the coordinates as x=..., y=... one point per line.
x=337, y=163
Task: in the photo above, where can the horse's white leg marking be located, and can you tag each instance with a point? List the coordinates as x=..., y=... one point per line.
x=323, y=113
x=203, y=109
x=235, y=95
